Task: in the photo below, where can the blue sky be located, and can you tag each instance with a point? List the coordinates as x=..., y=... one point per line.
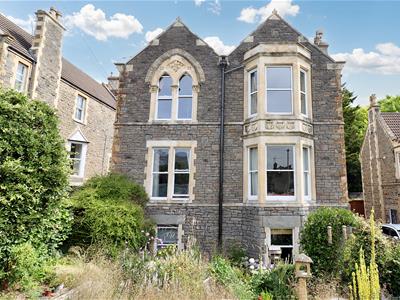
x=364, y=33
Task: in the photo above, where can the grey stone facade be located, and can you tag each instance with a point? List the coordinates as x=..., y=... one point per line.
x=380, y=164
x=244, y=222
x=50, y=78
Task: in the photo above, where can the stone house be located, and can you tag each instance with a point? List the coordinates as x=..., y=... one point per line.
x=34, y=65
x=380, y=164
x=233, y=149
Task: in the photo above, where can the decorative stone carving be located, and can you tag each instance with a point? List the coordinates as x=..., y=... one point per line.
x=307, y=128
x=175, y=65
x=278, y=126
x=196, y=88
x=251, y=128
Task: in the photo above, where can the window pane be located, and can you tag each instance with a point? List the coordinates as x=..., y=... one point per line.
x=167, y=234
x=253, y=103
x=282, y=237
x=303, y=103
x=305, y=159
x=160, y=163
x=253, y=81
x=280, y=183
x=76, y=150
x=181, y=186
x=182, y=159
x=302, y=82
x=254, y=183
x=160, y=185
x=78, y=114
x=164, y=108
x=279, y=77
x=280, y=157
x=185, y=108
x=76, y=164
x=279, y=101
x=185, y=85
x=164, y=86
x=253, y=159
x=306, y=184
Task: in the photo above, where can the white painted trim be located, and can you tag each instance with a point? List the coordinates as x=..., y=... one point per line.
x=249, y=92
x=82, y=163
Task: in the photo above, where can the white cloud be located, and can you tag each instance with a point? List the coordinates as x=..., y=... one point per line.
x=198, y=2
x=253, y=15
x=385, y=60
x=28, y=24
x=94, y=22
x=150, y=35
x=218, y=45
x=215, y=7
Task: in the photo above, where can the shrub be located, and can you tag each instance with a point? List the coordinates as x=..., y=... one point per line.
x=34, y=171
x=110, y=217
x=314, y=238
x=232, y=278
x=278, y=282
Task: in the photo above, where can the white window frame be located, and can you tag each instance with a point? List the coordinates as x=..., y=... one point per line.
x=82, y=163
x=308, y=172
x=250, y=196
x=157, y=172
x=158, y=97
x=180, y=196
x=278, y=89
x=280, y=198
x=303, y=92
x=184, y=96
x=82, y=109
x=22, y=82
x=250, y=93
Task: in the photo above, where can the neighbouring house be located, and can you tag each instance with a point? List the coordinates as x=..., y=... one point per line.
x=233, y=149
x=380, y=164
x=34, y=65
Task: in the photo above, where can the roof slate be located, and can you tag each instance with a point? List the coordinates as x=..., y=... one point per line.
x=22, y=42
x=392, y=120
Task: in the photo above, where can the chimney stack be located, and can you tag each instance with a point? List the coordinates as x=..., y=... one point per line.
x=319, y=42
x=47, y=50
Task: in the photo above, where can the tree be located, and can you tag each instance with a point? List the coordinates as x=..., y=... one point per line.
x=34, y=171
x=390, y=104
x=355, y=124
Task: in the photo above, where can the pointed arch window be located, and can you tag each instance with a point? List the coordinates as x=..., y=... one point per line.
x=164, y=98
x=185, y=97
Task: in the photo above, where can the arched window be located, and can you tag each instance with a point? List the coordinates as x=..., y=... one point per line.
x=185, y=97
x=164, y=99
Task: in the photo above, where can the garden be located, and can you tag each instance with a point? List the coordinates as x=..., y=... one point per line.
x=95, y=242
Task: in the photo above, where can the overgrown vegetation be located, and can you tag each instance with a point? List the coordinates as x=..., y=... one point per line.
x=108, y=211
x=33, y=186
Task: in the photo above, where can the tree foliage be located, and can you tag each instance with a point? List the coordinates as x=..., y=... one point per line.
x=390, y=104
x=34, y=173
x=355, y=124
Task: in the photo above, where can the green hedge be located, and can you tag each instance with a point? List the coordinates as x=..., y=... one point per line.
x=34, y=172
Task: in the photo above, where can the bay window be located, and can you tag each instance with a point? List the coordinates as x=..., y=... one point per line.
x=279, y=90
x=280, y=172
x=253, y=172
x=253, y=91
x=164, y=99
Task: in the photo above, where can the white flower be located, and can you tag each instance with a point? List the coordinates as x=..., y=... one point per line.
x=251, y=260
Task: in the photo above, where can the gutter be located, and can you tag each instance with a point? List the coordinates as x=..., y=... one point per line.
x=222, y=64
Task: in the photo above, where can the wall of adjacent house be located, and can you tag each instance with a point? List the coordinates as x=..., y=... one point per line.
x=8, y=67
x=97, y=128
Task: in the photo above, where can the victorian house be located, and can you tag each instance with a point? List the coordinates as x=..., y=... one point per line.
x=233, y=149
x=33, y=64
x=380, y=164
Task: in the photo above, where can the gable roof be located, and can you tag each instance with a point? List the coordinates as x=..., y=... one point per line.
x=22, y=42
x=392, y=121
